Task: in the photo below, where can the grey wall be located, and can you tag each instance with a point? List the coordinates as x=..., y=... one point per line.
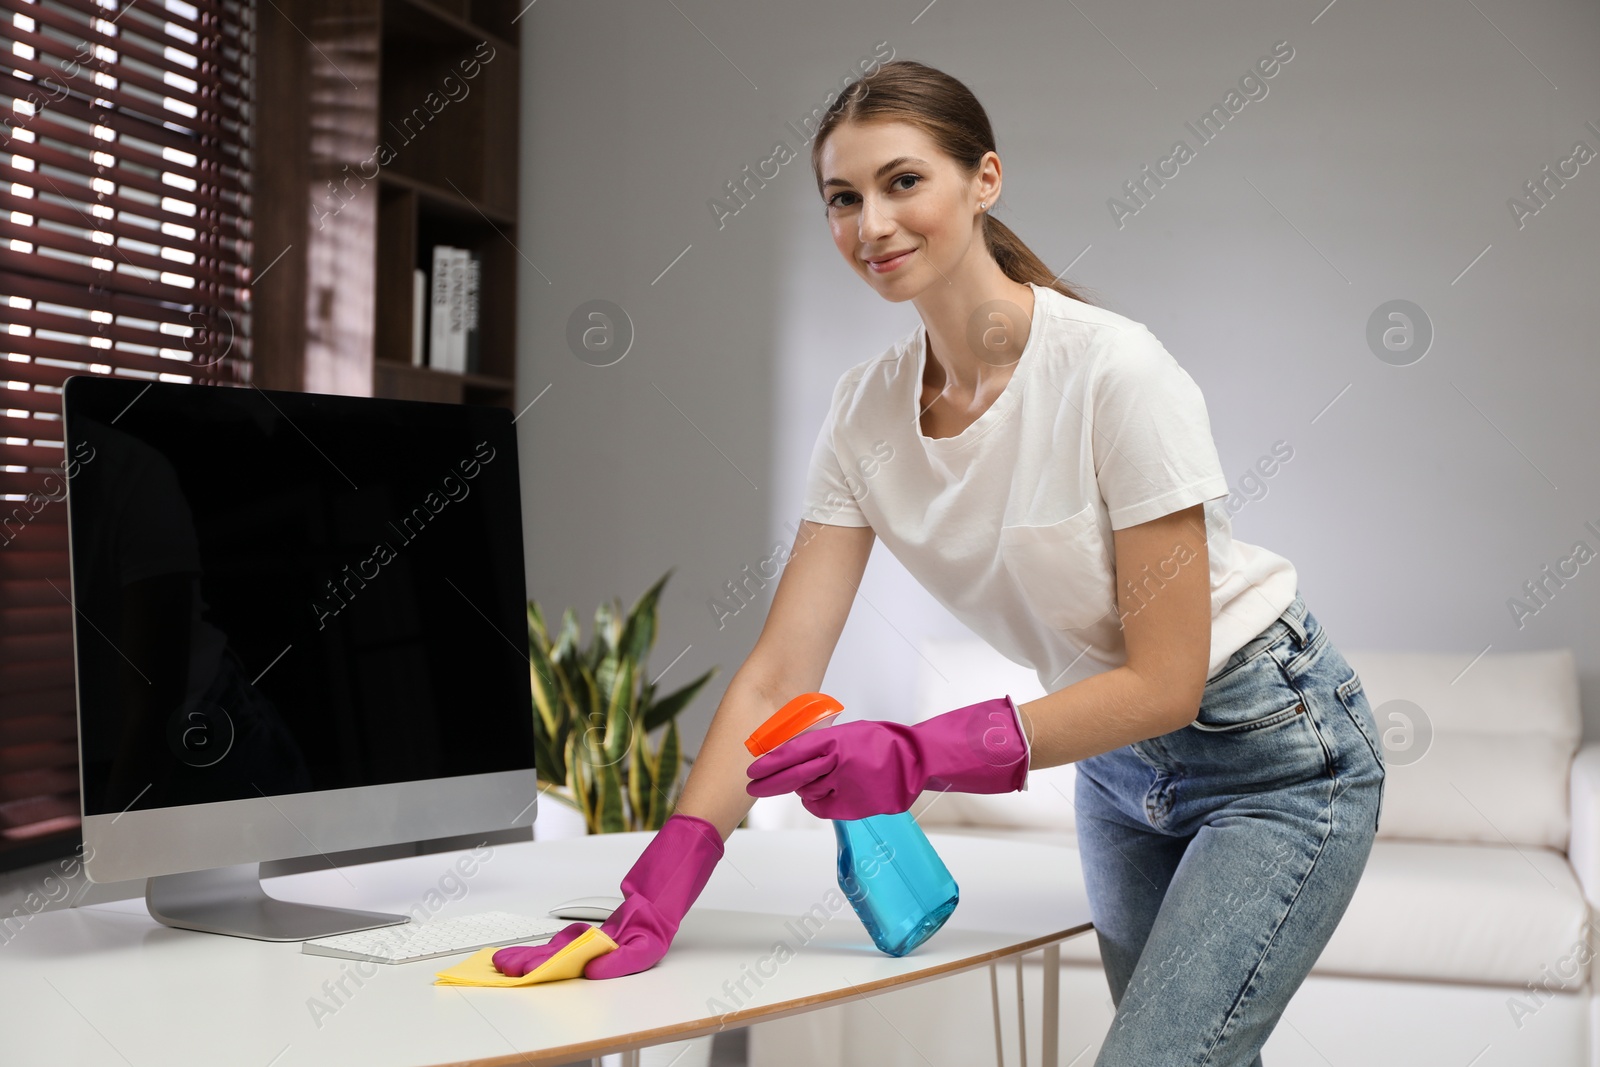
x=1378, y=166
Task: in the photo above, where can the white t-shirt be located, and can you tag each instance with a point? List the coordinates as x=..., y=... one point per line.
x=1008, y=523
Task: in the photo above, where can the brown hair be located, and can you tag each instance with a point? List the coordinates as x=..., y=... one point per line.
x=904, y=90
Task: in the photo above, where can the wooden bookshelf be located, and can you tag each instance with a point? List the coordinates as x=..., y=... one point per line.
x=394, y=132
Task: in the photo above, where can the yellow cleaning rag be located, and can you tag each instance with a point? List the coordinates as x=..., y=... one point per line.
x=567, y=962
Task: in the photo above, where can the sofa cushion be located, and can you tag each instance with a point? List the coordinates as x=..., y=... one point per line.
x=1447, y=911
x=1474, y=753
x=1433, y=911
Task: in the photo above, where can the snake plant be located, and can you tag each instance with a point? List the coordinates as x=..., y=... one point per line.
x=595, y=711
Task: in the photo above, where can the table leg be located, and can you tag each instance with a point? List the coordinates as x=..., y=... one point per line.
x=1022, y=1022
x=1050, y=1054
x=994, y=996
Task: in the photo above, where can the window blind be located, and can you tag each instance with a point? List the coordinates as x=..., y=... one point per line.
x=124, y=250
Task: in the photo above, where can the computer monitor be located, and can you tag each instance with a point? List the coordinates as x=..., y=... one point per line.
x=299, y=628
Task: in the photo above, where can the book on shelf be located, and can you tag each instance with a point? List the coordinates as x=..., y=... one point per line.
x=419, y=317
x=453, y=310
x=439, y=308
x=458, y=310
x=474, y=265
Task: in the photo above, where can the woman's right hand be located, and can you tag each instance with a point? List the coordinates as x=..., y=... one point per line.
x=657, y=892
x=514, y=961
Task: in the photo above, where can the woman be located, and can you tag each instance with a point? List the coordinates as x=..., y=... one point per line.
x=1043, y=467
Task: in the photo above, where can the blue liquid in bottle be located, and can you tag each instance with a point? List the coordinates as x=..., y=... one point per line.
x=898, y=885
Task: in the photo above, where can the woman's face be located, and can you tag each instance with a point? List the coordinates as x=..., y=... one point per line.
x=890, y=192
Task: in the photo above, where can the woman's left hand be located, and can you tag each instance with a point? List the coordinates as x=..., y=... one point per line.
x=872, y=767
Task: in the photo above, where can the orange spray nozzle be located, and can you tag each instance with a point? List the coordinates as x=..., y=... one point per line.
x=800, y=714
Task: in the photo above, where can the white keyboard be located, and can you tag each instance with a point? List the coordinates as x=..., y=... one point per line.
x=410, y=941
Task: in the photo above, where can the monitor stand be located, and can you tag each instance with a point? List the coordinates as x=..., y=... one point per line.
x=230, y=900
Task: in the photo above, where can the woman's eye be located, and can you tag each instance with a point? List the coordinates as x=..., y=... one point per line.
x=833, y=201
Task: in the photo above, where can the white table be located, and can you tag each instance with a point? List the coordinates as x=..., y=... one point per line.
x=106, y=984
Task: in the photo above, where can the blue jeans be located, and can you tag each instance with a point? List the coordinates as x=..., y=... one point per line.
x=1219, y=858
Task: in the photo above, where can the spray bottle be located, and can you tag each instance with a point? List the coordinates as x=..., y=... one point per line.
x=888, y=870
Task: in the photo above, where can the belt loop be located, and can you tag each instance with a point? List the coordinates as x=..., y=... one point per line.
x=1295, y=620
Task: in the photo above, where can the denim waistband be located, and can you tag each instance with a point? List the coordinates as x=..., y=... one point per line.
x=1292, y=620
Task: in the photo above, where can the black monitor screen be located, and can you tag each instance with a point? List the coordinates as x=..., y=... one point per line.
x=283, y=592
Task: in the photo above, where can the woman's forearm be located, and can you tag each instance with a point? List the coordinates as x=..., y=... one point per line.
x=1097, y=714
x=715, y=790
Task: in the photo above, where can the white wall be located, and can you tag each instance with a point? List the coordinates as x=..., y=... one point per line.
x=1378, y=166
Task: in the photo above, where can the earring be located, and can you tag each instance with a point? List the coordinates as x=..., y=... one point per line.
x=982, y=204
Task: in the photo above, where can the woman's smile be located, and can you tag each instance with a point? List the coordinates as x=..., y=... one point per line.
x=884, y=266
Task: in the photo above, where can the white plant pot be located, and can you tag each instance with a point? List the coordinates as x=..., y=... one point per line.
x=556, y=820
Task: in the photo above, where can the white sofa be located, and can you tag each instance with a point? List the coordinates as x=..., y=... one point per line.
x=1468, y=939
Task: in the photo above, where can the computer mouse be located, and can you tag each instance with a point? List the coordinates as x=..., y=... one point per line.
x=598, y=909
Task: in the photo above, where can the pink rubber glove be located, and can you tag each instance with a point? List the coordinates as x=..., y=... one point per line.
x=514, y=961
x=657, y=892
x=856, y=769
